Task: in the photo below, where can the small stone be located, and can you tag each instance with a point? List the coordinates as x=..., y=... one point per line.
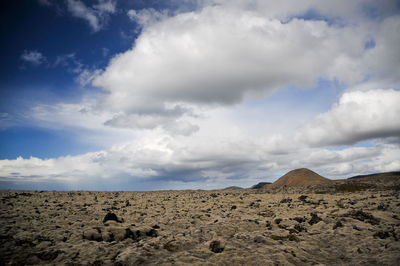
x=303, y=198
x=93, y=235
x=314, y=219
x=111, y=217
x=382, y=234
x=268, y=225
x=286, y=200
x=152, y=232
x=337, y=225
x=171, y=246
x=278, y=220
x=216, y=246
x=300, y=228
x=48, y=255
x=355, y=227
x=260, y=239
x=299, y=219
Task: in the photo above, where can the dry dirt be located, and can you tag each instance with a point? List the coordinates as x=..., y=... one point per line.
x=225, y=227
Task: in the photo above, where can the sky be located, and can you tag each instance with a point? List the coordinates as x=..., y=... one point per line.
x=196, y=94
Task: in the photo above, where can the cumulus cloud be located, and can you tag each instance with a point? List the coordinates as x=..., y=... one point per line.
x=169, y=120
x=219, y=56
x=33, y=57
x=227, y=52
x=97, y=15
x=358, y=116
x=218, y=162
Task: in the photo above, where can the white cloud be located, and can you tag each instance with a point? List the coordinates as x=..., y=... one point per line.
x=218, y=162
x=358, y=116
x=105, y=6
x=70, y=62
x=146, y=17
x=340, y=11
x=222, y=55
x=97, y=15
x=6, y=121
x=169, y=120
x=86, y=76
x=33, y=57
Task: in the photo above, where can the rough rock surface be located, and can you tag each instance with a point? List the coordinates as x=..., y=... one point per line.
x=201, y=227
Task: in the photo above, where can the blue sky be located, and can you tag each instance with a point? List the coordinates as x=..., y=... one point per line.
x=143, y=95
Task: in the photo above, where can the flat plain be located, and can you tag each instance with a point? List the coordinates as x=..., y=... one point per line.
x=353, y=222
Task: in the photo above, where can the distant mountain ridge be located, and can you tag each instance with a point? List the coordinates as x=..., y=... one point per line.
x=260, y=185
x=233, y=188
x=395, y=173
x=299, y=177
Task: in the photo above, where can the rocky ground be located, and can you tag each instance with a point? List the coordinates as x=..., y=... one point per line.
x=356, y=225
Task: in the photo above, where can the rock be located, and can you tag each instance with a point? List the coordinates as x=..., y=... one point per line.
x=286, y=200
x=299, y=219
x=266, y=213
x=300, y=228
x=171, y=246
x=337, y=225
x=278, y=220
x=314, y=219
x=303, y=198
x=111, y=217
x=355, y=227
x=382, y=234
x=120, y=234
x=382, y=207
x=216, y=246
x=233, y=207
x=260, y=239
x=92, y=234
x=289, y=237
x=268, y=225
x=152, y=232
x=107, y=236
x=48, y=255
x=362, y=216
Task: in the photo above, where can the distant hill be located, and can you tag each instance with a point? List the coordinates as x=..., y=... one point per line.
x=233, y=188
x=260, y=185
x=299, y=177
x=377, y=175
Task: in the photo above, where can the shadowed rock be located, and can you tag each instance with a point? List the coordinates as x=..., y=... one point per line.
x=337, y=225
x=92, y=234
x=314, y=219
x=111, y=217
x=216, y=246
x=362, y=216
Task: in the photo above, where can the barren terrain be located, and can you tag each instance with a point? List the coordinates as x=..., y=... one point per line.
x=349, y=223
